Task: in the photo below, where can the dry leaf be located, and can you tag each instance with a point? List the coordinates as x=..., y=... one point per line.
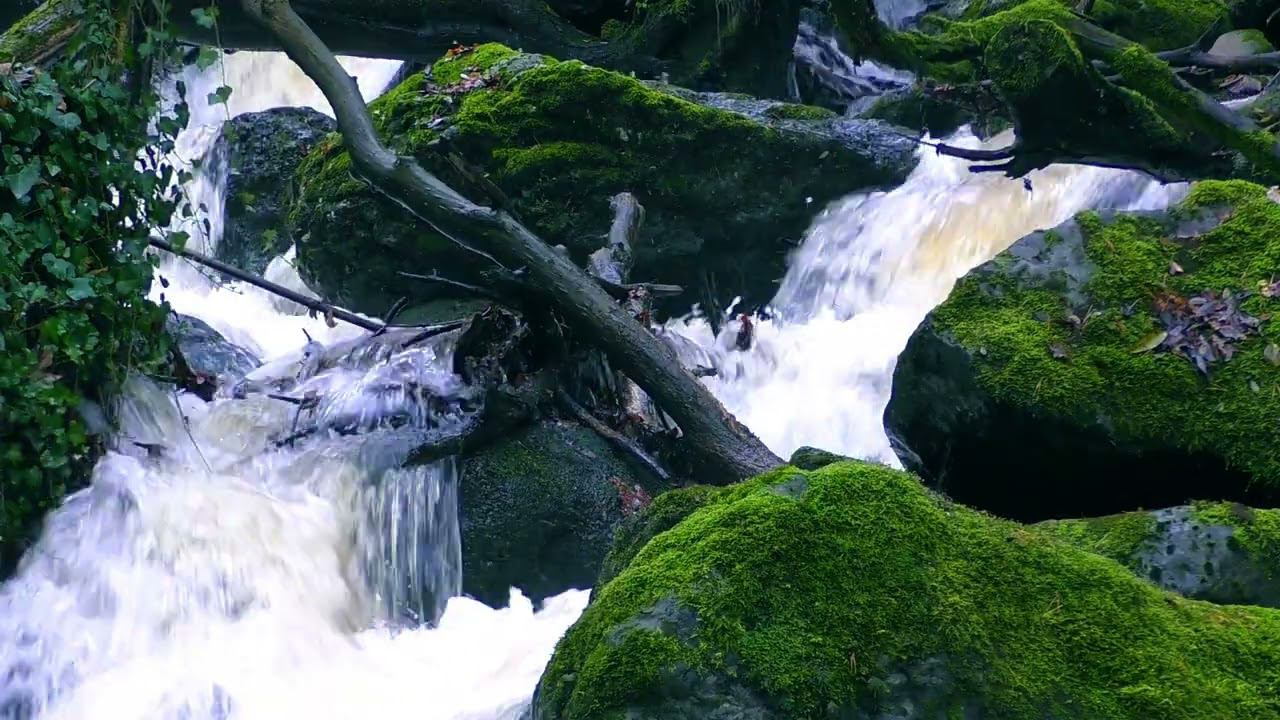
x=1151, y=342
x=1175, y=268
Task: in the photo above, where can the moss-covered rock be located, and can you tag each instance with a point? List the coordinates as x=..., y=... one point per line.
x=539, y=510
x=726, y=45
x=726, y=193
x=1100, y=367
x=852, y=592
x=262, y=151
x=1220, y=552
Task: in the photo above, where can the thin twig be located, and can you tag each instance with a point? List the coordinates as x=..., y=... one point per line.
x=619, y=440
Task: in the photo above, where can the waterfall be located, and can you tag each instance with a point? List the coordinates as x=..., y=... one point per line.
x=871, y=267
x=214, y=569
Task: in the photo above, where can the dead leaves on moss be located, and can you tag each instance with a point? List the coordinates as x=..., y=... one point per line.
x=1205, y=328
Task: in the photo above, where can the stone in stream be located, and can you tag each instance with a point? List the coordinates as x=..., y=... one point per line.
x=854, y=592
x=1220, y=552
x=1120, y=360
x=207, y=358
x=539, y=509
x=262, y=151
x=729, y=184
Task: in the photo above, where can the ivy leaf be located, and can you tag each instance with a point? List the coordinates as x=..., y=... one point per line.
x=220, y=96
x=205, y=17
x=22, y=181
x=60, y=268
x=66, y=121
x=207, y=58
x=81, y=289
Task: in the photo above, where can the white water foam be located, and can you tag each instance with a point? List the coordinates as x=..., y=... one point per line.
x=871, y=267
x=216, y=574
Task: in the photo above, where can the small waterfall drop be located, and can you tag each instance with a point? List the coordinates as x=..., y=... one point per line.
x=871, y=267
x=216, y=568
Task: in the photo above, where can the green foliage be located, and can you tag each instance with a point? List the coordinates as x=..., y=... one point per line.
x=76, y=205
x=841, y=592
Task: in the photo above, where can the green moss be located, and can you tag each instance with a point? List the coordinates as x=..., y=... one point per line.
x=560, y=139
x=1119, y=537
x=1146, y=73
x=480, y=60
x=817, y=600
x=37, y=31
x=1145, y=398
x=666, y=511
x=1256, y=531
x=1157, y=24
x=790, y=111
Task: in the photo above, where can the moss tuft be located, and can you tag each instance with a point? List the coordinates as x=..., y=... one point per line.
x=790, y=111
x=866, y=594
x=478, y=60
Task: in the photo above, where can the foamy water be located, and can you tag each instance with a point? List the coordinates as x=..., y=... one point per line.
x=226, y=574
x=222, y=575
x=870, y=268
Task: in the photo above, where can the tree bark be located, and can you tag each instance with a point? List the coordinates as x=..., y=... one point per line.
x=725, y=450
x=42, y=34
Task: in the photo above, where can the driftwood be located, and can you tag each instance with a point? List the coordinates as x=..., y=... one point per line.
x=726, y=450
x=617, y=439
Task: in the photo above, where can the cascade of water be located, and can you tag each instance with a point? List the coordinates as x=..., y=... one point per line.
x=871, y=267
x=216, y=569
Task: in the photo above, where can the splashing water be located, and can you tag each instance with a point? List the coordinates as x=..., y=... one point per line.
x=215, y=569
x=871, y=267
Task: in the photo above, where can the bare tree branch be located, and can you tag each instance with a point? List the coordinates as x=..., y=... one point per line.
x=725, y=450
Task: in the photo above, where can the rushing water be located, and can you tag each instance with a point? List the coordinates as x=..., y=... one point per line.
x=212, y=572
x=871, y=267
x=215, y=569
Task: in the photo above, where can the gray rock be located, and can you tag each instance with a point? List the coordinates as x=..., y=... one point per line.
x=263, y=150
x=210, y=359
x=539, y=510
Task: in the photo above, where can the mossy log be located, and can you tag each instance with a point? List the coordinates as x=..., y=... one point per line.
x=40, y=35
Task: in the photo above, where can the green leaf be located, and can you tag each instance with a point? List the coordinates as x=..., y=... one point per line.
x=220, y=96
x=66, y=121
x=21, y=182
x=207, y=58
x=60, y=268
x=206, y=17
x=81, y=289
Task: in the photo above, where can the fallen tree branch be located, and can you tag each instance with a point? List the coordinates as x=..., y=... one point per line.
x=311, y=303
x=724, y=449
x=620, y=441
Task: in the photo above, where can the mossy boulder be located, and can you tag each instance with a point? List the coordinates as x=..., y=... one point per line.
x=1121, y=360
x=853, y=592
x=726, y=193
x=1220, y=552
x=539, y=510
x=726, y=45
x=262, y=151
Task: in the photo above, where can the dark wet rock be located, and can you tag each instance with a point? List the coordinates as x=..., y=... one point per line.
x=539, y=510
x=207, y=359
x=1103, y=360
x=263, y=150
x=1220, y=552
x=729, y=184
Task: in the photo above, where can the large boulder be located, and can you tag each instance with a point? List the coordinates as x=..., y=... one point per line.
x=727, y=190
x=263, y=151
x=539, y=510
x=1220, y=552
x=853, y=592
x=1118, y=361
